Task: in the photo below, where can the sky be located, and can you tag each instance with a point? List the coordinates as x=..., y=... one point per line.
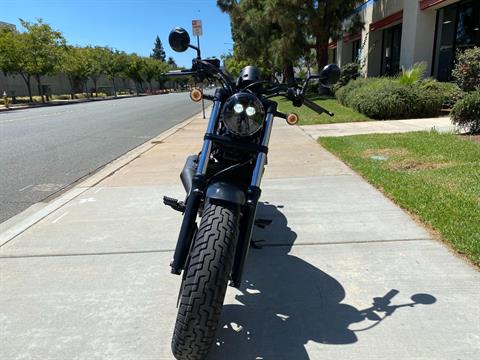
x=128, y=25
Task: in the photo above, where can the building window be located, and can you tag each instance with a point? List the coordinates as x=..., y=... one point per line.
x=458, y=28
x=392, y=38
x=356, y=49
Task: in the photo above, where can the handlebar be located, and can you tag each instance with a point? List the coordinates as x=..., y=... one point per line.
x=203, y=69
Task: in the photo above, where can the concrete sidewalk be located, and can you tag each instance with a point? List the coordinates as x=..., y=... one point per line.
x=441, y=124
x=89, y=277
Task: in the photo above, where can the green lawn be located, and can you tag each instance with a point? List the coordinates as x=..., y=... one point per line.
x=436, y=176
x=309, y=117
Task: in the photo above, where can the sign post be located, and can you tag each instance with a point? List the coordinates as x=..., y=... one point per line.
x=197, y=31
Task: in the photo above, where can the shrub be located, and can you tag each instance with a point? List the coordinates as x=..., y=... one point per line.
x=343, y=92
x=451, y=93
x=467, y=69
x=349, y=72
x=466, y=112
x=385, y=98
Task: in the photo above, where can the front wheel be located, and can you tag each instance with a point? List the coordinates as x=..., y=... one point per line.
x=204, y=287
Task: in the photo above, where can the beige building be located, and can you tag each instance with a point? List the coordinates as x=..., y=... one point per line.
x=403, y=32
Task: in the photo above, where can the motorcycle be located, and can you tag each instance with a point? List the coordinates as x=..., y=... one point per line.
x=222, y=184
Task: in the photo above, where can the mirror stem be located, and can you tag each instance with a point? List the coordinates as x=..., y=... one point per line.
x=197, y=49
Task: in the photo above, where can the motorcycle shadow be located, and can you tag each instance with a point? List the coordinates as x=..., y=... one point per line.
x=285, y=302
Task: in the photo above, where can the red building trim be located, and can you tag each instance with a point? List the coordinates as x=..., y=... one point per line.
x=380, y=24
x=351, y=37
x=425, y=4
x=332, y=45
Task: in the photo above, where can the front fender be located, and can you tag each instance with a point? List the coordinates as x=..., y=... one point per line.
x=226, y=192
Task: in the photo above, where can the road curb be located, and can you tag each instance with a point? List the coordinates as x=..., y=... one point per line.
x=23, y=221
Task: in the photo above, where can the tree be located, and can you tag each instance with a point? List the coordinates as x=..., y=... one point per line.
x=277, y=33
x=158, y=53
x=95, y=58
x=159, y=75
x=76, y=66
x=12, y=61
x=134, y=70
x=42, y=49
x=172, y=63
x=325, y=20
x=154, y=70
x=114, y=63
x=270, y=32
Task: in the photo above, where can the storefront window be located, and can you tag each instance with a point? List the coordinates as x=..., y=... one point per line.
x=458, y=28
x=356, y=49
x=392, y=38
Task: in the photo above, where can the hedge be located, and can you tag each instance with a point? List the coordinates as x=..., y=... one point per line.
x=466, y=112
x=387, y=98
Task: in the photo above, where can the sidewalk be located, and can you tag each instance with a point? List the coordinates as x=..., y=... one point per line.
x=441, y=124
x=91, y=279
x=23, y=106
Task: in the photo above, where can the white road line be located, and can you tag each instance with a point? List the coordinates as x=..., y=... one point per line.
x=98, y=190
x=26, y=187
x=58, y=218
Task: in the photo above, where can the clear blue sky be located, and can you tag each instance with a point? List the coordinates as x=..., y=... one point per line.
x=129, y=25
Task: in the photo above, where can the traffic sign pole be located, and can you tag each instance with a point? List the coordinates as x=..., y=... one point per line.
x=198, y=31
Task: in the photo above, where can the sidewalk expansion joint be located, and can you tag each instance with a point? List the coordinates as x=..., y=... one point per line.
x=343, y=242
x=132, y=252
x=153, y=251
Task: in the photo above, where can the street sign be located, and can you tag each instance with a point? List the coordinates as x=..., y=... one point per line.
x=197, y=27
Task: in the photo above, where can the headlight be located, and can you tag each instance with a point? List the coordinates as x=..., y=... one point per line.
x=243, y=114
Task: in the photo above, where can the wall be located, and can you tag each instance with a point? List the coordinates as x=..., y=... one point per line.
x=59, y=84
x=418, y=35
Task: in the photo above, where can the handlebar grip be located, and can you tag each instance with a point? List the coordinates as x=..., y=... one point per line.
x=315, y=107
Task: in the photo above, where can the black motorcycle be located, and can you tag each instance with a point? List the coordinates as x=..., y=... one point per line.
x=222, y=184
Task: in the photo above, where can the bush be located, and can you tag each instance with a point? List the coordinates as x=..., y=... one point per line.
x=466, y=112
x=386, y=98
x=467, y=69
x=451, y=93
x=342, y=93
x=349, y=72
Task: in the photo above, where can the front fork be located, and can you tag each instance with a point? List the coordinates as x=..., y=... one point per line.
x=187, y=229
x=250, y=210
x=196, y=194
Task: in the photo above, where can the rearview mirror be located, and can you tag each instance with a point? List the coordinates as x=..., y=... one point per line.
x=330, y=74
x=179, y=39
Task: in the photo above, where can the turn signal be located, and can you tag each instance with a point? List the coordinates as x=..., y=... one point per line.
x=292, y=119
x=196, y=94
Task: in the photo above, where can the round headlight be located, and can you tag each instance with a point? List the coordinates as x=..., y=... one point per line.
x=243, y=114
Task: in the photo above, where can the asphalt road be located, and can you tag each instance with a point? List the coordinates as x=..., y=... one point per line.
x=44, y=150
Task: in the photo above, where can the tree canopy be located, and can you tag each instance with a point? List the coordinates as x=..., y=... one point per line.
x=276, y=34
x=158, y=52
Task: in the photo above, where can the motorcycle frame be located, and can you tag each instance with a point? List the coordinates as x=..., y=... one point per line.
x=199, y=187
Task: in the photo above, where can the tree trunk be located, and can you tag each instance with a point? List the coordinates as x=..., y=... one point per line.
x=114, y=88
x=27, y=80
x=289, y=74
x=85, y=84
x=321, y=49
x=151, y=87
x=39, y=86
x=95, y=86
x=72, y=85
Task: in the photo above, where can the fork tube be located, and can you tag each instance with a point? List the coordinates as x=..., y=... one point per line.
x=207, y=144
x=262, y=157
x=194, y=198
x=250, y=210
